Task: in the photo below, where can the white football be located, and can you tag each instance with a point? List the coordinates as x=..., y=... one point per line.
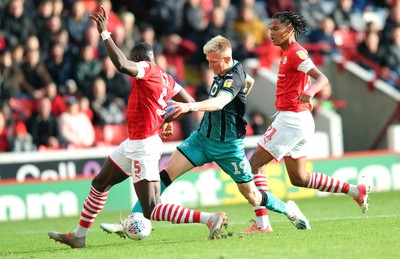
x=136, y=226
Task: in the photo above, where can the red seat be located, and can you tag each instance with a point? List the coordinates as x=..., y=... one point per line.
x=22, y=106
x=114, y=134
x=347, y=41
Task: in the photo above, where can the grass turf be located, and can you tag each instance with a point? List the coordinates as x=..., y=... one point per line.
x=339, y=230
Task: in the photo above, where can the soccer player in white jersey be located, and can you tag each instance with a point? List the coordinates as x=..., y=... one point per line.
x=288, y=135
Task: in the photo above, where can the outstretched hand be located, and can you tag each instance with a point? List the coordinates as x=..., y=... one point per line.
x=101, y=19
x=174, y=109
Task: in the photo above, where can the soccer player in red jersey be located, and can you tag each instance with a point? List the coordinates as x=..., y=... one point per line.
x=138, y=156
x=288, y=135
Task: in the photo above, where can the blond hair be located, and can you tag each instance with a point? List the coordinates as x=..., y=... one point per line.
x=218, y=44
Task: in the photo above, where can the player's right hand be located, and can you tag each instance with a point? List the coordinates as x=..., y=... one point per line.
x=101, y=19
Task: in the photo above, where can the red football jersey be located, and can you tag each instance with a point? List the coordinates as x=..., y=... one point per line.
x=150, y=91
x=293, y=78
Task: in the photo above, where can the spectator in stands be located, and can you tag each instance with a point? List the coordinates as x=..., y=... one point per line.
x=391, y=61
x=77, y=22
x=345, y=17
x=21, y=140
x=259, y=8
x=62, y=38
x=87, y=68
x=313, y=12
x=105, y=109
x=3, y=133
x=230, y=11
x=57, y=102
x=194, y=23
x=323, y=36
x=246, y=48
x=258, y=122
x=274, y=6
x=17, y=22
x=148, y=34
x=76, y=130
x=44, y=10
x=60, y=67
x=92, y=38
x=34, y=73
x=58, y=7
x=268, y=54
x=131, y=30
x=43, y=126
x=10, y=76
x=392, y=21
x=118, y=85
x=165, y=12
x=84, y=107
x=247, y=23
x=218, y=26
x=121, y=40
x=47, y=35
x=177, y=51
x=369, y=48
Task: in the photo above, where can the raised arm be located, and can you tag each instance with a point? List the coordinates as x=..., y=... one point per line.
x=118, y=58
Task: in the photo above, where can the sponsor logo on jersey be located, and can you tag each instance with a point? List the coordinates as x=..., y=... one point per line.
x=228, y=83
x=301, y=54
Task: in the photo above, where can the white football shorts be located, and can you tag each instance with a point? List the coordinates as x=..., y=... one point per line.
x=288, y=135
x=139, y=158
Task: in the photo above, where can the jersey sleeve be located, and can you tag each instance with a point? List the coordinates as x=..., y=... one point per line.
x=301, y=61
x=175, y=89
x=144, y=68
x=233, y=83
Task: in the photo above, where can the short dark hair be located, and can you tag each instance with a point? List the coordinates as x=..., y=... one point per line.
x=144, y=50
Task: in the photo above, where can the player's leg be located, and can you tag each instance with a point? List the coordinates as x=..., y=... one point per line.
x=149, y=195
x=109, y=175
x=177, y=165
x=188, y=155
x=177, y=214
x=324, y=183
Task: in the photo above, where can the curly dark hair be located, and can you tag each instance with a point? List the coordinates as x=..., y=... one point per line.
x=298, y=22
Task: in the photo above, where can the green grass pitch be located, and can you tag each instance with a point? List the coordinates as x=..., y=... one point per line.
x=339, y=230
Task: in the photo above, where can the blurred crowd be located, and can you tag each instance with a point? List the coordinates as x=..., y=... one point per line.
x=59, y=89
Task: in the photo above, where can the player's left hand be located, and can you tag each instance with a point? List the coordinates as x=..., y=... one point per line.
x=304, y=98
x=167, y=128
x=101, y=19
x=175, y=109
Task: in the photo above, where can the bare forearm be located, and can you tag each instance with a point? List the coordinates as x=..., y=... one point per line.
x=116, y=55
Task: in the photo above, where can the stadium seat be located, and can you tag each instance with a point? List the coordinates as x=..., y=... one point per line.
x=114, y=134
x=22, y=107
x=347, y=41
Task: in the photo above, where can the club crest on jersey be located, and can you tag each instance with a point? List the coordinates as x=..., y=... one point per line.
x=284, y=60
x=228, y=83
x=301, y=54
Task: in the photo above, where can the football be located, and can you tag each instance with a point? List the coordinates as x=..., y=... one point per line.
x=136, y=226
